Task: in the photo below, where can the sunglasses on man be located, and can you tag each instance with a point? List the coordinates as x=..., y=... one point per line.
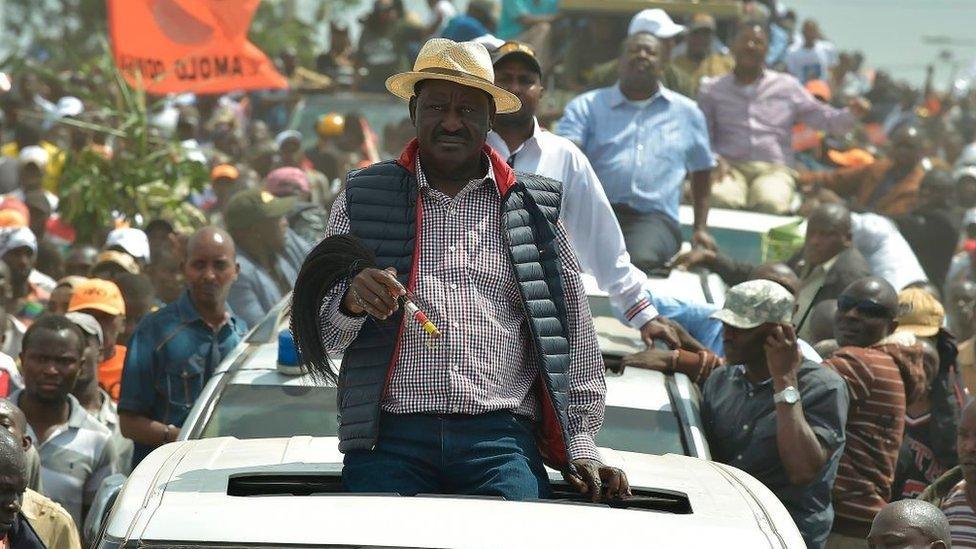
x=866, y=307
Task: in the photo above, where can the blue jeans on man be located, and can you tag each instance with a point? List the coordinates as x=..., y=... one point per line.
x=491, y=454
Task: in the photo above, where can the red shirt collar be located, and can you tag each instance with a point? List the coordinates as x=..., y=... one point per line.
x=504, y=176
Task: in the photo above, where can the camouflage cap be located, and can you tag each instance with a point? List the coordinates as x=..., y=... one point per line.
x=754, y=303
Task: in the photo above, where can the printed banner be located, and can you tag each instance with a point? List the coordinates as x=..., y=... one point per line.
x=199, y=46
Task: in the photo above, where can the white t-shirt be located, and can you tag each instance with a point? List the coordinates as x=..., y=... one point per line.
x=808, y=64
x=446, y=11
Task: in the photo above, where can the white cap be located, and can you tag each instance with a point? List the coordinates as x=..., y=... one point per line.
x=964, y=171
x=969, y=218
x=133, y=241
x=656, y=22
x=87, y=323
x=286, y=135
x=33, y=155
x=12, y=238
x=70, y=106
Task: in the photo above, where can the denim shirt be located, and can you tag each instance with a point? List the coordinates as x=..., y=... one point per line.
x=740, y=425
x=170, y=358
x=255, y=292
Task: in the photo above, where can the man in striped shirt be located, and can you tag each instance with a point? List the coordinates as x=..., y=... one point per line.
x=955, y=491
x=882, y=376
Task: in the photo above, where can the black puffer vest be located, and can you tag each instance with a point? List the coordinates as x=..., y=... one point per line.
x=382, y=203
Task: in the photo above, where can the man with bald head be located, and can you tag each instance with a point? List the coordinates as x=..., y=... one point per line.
x=15, y=530
x=888, y=187
x=910, y=523
x=174, y=350
x=883, y=377
x=13, y=419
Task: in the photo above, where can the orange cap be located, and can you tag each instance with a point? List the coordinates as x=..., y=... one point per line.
x=820, y=89
x=852, y=158
x=12, y=218
x=224, y=170
x=99, y=295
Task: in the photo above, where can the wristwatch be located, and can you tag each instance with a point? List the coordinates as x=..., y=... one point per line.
x=788, y=395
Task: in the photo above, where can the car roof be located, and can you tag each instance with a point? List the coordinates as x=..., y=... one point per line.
x=180, y=492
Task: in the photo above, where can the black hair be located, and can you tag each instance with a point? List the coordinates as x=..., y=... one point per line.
x=334, y=260
x=135, y=286
x=27, y=134
x=53, y=323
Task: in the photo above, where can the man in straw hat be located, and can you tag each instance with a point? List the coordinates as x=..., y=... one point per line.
x=516, y=378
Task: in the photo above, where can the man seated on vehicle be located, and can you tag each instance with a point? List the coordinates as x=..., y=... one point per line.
x=462, y=416
x=955, y=491
x=15, y=529
x=76, y=450
x=643, y=140
x=175, y=350
x=911, y=523
x=883, y=376
x=268, y=251
x=773, y=414
x=827, y=264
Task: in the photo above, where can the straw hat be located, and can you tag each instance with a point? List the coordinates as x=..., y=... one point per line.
x=465, y=63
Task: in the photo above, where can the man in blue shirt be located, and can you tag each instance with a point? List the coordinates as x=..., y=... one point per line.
x=175, y=350
x=643, y=139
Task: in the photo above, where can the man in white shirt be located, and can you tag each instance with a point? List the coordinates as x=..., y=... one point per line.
x=813, y=58
x=586, y=213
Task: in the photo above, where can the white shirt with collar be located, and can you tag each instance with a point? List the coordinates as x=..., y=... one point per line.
x=588, y=218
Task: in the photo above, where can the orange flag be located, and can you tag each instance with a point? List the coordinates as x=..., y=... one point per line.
x=200, y=46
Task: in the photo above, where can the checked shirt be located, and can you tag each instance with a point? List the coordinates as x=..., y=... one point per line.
x=484, y=360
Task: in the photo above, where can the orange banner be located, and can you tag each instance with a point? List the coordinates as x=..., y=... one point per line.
x=200, y=46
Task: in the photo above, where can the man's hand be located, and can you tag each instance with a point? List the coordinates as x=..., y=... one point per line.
x=658, y=360
x=589, y=476
x=859, y=107
x=373, y=291
x=703, y=240
x=660, y=329
x=697, y=256
x=782, y=353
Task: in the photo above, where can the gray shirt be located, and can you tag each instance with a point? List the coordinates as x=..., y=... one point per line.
x=256, y=291
x=740, y=425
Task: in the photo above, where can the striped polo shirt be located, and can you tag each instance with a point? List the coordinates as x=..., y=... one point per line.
x=74, y=459
x=875, y=427
x=962, y=518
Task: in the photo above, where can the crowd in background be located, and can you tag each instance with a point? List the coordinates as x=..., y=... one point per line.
x=106, y=344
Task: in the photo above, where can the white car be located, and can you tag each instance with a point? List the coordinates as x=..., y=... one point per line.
x=287, y=492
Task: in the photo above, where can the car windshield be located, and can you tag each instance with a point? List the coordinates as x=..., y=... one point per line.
x=260, y=411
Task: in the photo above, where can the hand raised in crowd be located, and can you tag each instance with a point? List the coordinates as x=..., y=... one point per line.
x=697, y=256
x=589, y=477
x=782, y=352
x=374, y=292
x=660, y=329
x=859, y=107
x=702, y=239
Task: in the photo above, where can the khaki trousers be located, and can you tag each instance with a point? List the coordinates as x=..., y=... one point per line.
x=756, y=186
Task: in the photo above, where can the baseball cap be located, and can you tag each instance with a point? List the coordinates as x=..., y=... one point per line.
x=286, y=135
x=226, y=171
x=254, y=206
x=133, y=241
x=87, y=323
x=964, y=171
x=33, y=155
x=286, y=181
x=819, y=89
x=12, y=218
x=701, y=21
x=851, y=158
x=12, y=238
x=121, y=259
x=513, y=48
x=99, y=295
x=754, y=303
x=919, y=312
x=655, y=21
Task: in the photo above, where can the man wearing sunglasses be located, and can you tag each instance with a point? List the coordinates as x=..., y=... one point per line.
x=772, y=413
x=883, y=377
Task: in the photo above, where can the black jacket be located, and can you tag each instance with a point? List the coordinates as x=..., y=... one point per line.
x=382, y=204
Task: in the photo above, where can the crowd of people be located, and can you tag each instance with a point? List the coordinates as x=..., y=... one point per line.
x=840, y=377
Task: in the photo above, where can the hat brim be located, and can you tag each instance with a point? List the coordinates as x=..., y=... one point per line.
x=280, y=206
x=102, y=307
x=919, y=330
x=402, y=86
x=670, y=31
x=532, y=61
x=735, y=320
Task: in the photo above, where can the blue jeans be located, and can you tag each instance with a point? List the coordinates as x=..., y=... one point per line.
x=491, y=454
